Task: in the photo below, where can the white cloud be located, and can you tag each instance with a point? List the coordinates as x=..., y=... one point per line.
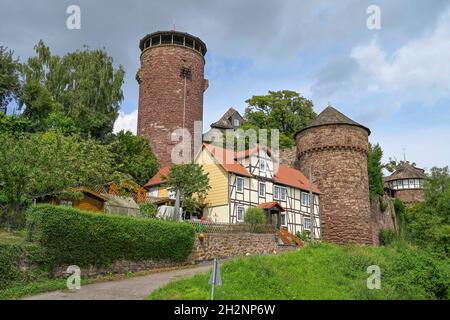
x=127, y=122
x=422, y=65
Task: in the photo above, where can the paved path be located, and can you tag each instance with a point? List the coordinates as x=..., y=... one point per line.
x=136, y=288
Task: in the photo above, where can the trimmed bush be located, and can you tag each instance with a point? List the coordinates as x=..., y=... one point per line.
x=148, y=210
x=72, y=236
x=12, y=256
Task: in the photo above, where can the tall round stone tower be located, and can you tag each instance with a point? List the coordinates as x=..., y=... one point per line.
x=171, y=86
x=336, y=148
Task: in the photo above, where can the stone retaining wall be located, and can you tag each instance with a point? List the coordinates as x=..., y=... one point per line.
x=227, y=245
x=121, y=267
x=220, y=245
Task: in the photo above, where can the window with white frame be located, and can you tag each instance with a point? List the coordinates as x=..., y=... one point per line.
x=276, y=192
x=236, y=122
x=262, y=189
x=239, y=184
x=262, y=165
x=171, y=194
x=305, y=199
x=279, y=193
x=307, y=223
x=240, y=214
x=283, y=219
x=283, y=193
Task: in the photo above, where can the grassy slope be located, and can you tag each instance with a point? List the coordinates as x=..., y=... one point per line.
x=322, y=272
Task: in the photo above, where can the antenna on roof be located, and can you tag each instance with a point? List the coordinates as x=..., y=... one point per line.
x=173, y=27
x=404, y=155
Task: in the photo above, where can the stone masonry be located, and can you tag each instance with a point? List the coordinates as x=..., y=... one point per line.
x=162, y=95
x=227, y=245
x=410, y=196
x=338, y=155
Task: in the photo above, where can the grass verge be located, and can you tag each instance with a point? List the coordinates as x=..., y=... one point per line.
x=324, y=271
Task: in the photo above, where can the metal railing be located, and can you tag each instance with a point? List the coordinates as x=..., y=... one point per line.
x=205, y=226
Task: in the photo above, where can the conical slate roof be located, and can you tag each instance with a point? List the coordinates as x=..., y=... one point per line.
x=331, y=116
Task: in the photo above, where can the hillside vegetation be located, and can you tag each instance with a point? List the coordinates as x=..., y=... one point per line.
x=324, y=271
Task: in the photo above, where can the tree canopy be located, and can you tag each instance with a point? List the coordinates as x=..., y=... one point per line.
x=284, y=110
x=81, y=87
x=9, y=77
x=375, y=170
x=133, y=156
x=192, y=183
x=41, y=163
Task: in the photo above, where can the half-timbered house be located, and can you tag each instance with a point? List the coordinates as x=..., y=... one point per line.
x=252, y=178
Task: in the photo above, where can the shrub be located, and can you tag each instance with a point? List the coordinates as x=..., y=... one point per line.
x=383, y=205
x=148, y=210
x=254, y=216
x=71, y=236
x=304, y=235
x=387, y=237
x=13, y=255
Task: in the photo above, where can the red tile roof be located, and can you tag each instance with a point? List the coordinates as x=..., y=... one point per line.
x=294, y=178
x=248, y=152
x=285, y=175
x=226, y=158
x=270, y=205
x=158, y=177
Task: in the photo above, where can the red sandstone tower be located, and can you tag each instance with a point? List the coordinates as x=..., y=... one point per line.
x=336, y=147
x=171, y=86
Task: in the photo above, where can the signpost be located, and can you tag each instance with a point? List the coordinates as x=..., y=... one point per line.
x=216, y=279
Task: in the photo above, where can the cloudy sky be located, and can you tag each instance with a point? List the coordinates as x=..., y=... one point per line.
x=395, y=80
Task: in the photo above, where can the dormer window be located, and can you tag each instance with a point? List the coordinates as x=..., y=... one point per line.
x=262, y=165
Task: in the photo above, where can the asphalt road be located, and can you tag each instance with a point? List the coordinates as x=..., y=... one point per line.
x=136, y=288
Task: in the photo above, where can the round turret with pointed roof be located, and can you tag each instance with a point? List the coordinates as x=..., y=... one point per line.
x=331, y=116
x=336, y=148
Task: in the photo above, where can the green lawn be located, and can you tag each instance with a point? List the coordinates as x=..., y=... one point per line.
x=323, y=272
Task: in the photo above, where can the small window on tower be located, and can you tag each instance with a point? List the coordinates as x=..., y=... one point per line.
x=185, y=72
x=166, y=39
x=156, y=41
x=189, y=43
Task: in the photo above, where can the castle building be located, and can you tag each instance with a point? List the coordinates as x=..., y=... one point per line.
x=406, y=184
x=336, y=147
x=171, y=86
x=229, y=122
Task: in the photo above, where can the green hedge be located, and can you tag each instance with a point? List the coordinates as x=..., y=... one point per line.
x=82, y=238
x=11, y=258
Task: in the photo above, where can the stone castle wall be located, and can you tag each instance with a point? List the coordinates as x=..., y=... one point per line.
x=410, y=196
x=382, y=220
x=338, y=154
x=161, y=93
